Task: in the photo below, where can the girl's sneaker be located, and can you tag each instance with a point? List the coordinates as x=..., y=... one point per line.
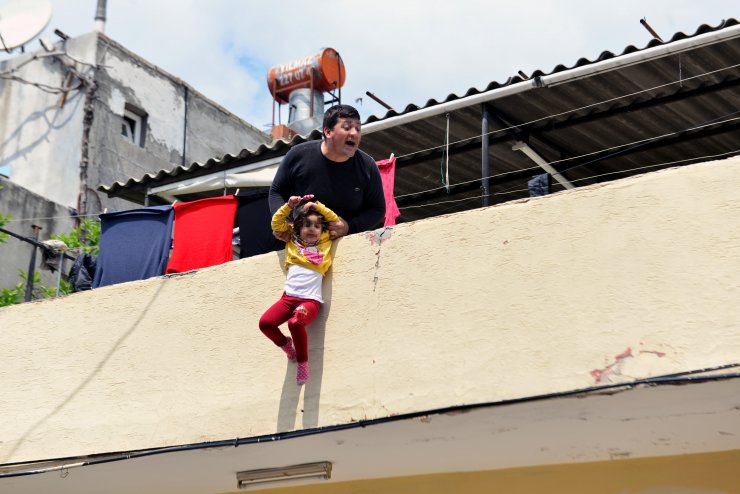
x=301, y=375
x=289, y=349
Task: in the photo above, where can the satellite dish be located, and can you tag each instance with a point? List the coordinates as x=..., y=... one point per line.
x=21, y=21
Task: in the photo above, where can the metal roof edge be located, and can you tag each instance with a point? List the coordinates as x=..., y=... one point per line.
x=704, y=35
x=195, y=168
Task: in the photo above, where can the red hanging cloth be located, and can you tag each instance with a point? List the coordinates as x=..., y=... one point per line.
x=203, y=230
x=388, y=177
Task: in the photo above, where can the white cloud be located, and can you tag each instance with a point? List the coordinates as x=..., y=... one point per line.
x=404, y=51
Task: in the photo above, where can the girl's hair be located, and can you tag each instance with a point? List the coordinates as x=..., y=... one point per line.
x=300, y=219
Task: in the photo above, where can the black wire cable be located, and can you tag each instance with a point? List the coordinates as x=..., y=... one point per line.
x=635, y=143
x=630, y=146
x=639, y=145
x=684, y=377
x=514, y=191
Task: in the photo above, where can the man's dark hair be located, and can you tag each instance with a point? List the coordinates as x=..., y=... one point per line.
x=333, y=114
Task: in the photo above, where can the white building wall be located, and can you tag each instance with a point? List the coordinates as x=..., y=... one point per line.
x=157, y=95
x=182, y=126
x=40, y=140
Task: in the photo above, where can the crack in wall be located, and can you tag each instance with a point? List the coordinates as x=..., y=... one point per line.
x=377, y=237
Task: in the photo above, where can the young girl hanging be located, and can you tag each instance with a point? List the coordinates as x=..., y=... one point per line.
x=307, y=259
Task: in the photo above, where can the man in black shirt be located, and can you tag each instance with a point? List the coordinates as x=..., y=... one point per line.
x=336, y=172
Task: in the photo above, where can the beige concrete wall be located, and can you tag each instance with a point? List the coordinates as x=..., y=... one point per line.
x=631, y=279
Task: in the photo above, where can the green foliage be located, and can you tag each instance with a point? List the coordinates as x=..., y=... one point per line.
x=85, y=238
x=16, y=295
x=10, y=296
x=3, y=220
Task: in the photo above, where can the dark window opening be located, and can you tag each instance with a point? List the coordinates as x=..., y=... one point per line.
x=133, y=125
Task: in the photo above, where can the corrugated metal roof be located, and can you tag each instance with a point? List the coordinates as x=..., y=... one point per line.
x=605, y=55
x=246, y=156
x=595, y=128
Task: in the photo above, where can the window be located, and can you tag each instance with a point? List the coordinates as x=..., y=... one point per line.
x=133, y=125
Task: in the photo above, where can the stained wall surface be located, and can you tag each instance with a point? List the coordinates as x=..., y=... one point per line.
x=182, y=126
x=41, y=138
x=625, y=280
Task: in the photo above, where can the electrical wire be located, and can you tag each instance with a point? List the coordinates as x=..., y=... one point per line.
x=514, y=191
x=667, y=163
x=536, y=167
x=43, y=87
x=707, y=123
x=502, y=174
x=633, y=143
x=581, y=108
x=637, y=143
x=10, y=74
x=444, y=202
x=643, y=141
x=55, y=217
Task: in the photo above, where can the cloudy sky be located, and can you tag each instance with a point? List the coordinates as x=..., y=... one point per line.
x=404, y=51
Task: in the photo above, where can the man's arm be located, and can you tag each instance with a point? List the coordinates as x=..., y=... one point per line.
x=280, y=191
x=338, y=228
x=280, y=187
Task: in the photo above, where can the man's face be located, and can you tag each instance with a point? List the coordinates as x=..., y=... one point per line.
x=344, y=138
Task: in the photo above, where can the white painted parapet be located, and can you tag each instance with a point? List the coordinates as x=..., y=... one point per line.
x=626, y=280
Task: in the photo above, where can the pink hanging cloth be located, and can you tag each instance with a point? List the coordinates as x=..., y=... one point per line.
x=203, y=231
x=388, y=177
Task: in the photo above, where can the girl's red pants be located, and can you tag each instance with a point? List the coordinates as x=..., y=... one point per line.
x=298, y=312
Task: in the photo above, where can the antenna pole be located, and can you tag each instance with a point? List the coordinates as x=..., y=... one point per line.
x=386, y=105
x=655, y=35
